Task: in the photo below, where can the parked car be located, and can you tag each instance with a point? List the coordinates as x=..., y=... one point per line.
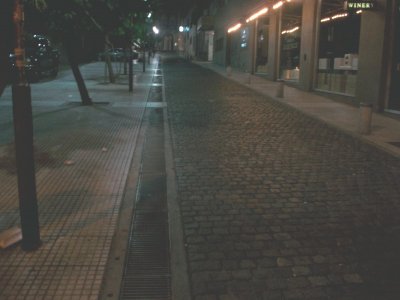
x=41, y=59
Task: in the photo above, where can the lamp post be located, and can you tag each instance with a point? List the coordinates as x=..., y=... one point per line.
x=23, y=127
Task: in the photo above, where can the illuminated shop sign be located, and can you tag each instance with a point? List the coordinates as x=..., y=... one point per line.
x=244, y=37
x=364, y=5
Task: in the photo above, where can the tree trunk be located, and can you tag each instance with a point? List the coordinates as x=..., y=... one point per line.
x=111, y=75
x=73, y=62
x=6, y=44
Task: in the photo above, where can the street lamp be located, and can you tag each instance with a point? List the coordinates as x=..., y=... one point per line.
x=156, y=30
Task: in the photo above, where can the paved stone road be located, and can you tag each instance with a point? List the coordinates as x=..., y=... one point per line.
x=276, y=205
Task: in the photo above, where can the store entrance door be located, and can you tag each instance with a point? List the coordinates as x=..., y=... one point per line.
x=394, y=99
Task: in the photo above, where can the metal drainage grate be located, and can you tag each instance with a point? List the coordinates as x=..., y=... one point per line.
x=147, y=265
x=147, y=270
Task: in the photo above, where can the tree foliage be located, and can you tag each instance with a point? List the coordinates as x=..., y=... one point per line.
x=120, y=18
x=69, y=21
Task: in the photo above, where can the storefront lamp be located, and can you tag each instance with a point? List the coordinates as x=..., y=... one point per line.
x=234, y=28
x=277, y=5
x=339, y=16
x=257, y=14
x=291, y=30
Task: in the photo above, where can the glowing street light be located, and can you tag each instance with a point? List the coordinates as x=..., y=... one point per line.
x=156, y=30
x=181, y=28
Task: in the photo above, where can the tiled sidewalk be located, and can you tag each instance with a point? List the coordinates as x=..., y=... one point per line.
x=78, y=202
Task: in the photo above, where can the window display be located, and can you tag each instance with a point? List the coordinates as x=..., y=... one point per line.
x=338, y=49
x=290, y=41
x=262, y=46
x=394, y=97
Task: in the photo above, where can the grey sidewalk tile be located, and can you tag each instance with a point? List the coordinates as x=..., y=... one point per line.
x=82, y=155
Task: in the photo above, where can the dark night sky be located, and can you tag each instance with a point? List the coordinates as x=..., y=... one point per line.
x=182, y=6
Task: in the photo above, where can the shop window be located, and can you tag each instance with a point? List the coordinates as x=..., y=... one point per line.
x=219, y=44
x=290, y=41
x=338, y=49
x=394, y=97
x=262, y=46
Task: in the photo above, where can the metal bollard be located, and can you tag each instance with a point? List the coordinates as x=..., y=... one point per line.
x=280, y=90
x=229, y=71
x=365, y=120
x=248, y=78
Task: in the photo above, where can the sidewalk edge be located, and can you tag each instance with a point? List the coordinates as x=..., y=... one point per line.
x=179, y=269
x=365, y=139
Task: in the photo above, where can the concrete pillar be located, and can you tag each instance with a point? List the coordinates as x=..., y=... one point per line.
x=371, y=74
x=251, y=48
x=308, y=47
x=273, y=46
x=254, y=43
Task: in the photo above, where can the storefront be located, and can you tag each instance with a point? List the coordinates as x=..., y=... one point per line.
x=239, y=49
x=321, y=45
x=261, y=61
x=394, y=93
x=339, y=36
x=290, y=41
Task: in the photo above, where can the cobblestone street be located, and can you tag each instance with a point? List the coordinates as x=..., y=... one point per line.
x=275, y=204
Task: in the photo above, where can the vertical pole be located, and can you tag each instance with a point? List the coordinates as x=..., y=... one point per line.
x=23, y=127
x=126, y=57
x=228, y=55
x=144, y=60
x=130, y=71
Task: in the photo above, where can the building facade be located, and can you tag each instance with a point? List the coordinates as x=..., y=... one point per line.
x=349, y=48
